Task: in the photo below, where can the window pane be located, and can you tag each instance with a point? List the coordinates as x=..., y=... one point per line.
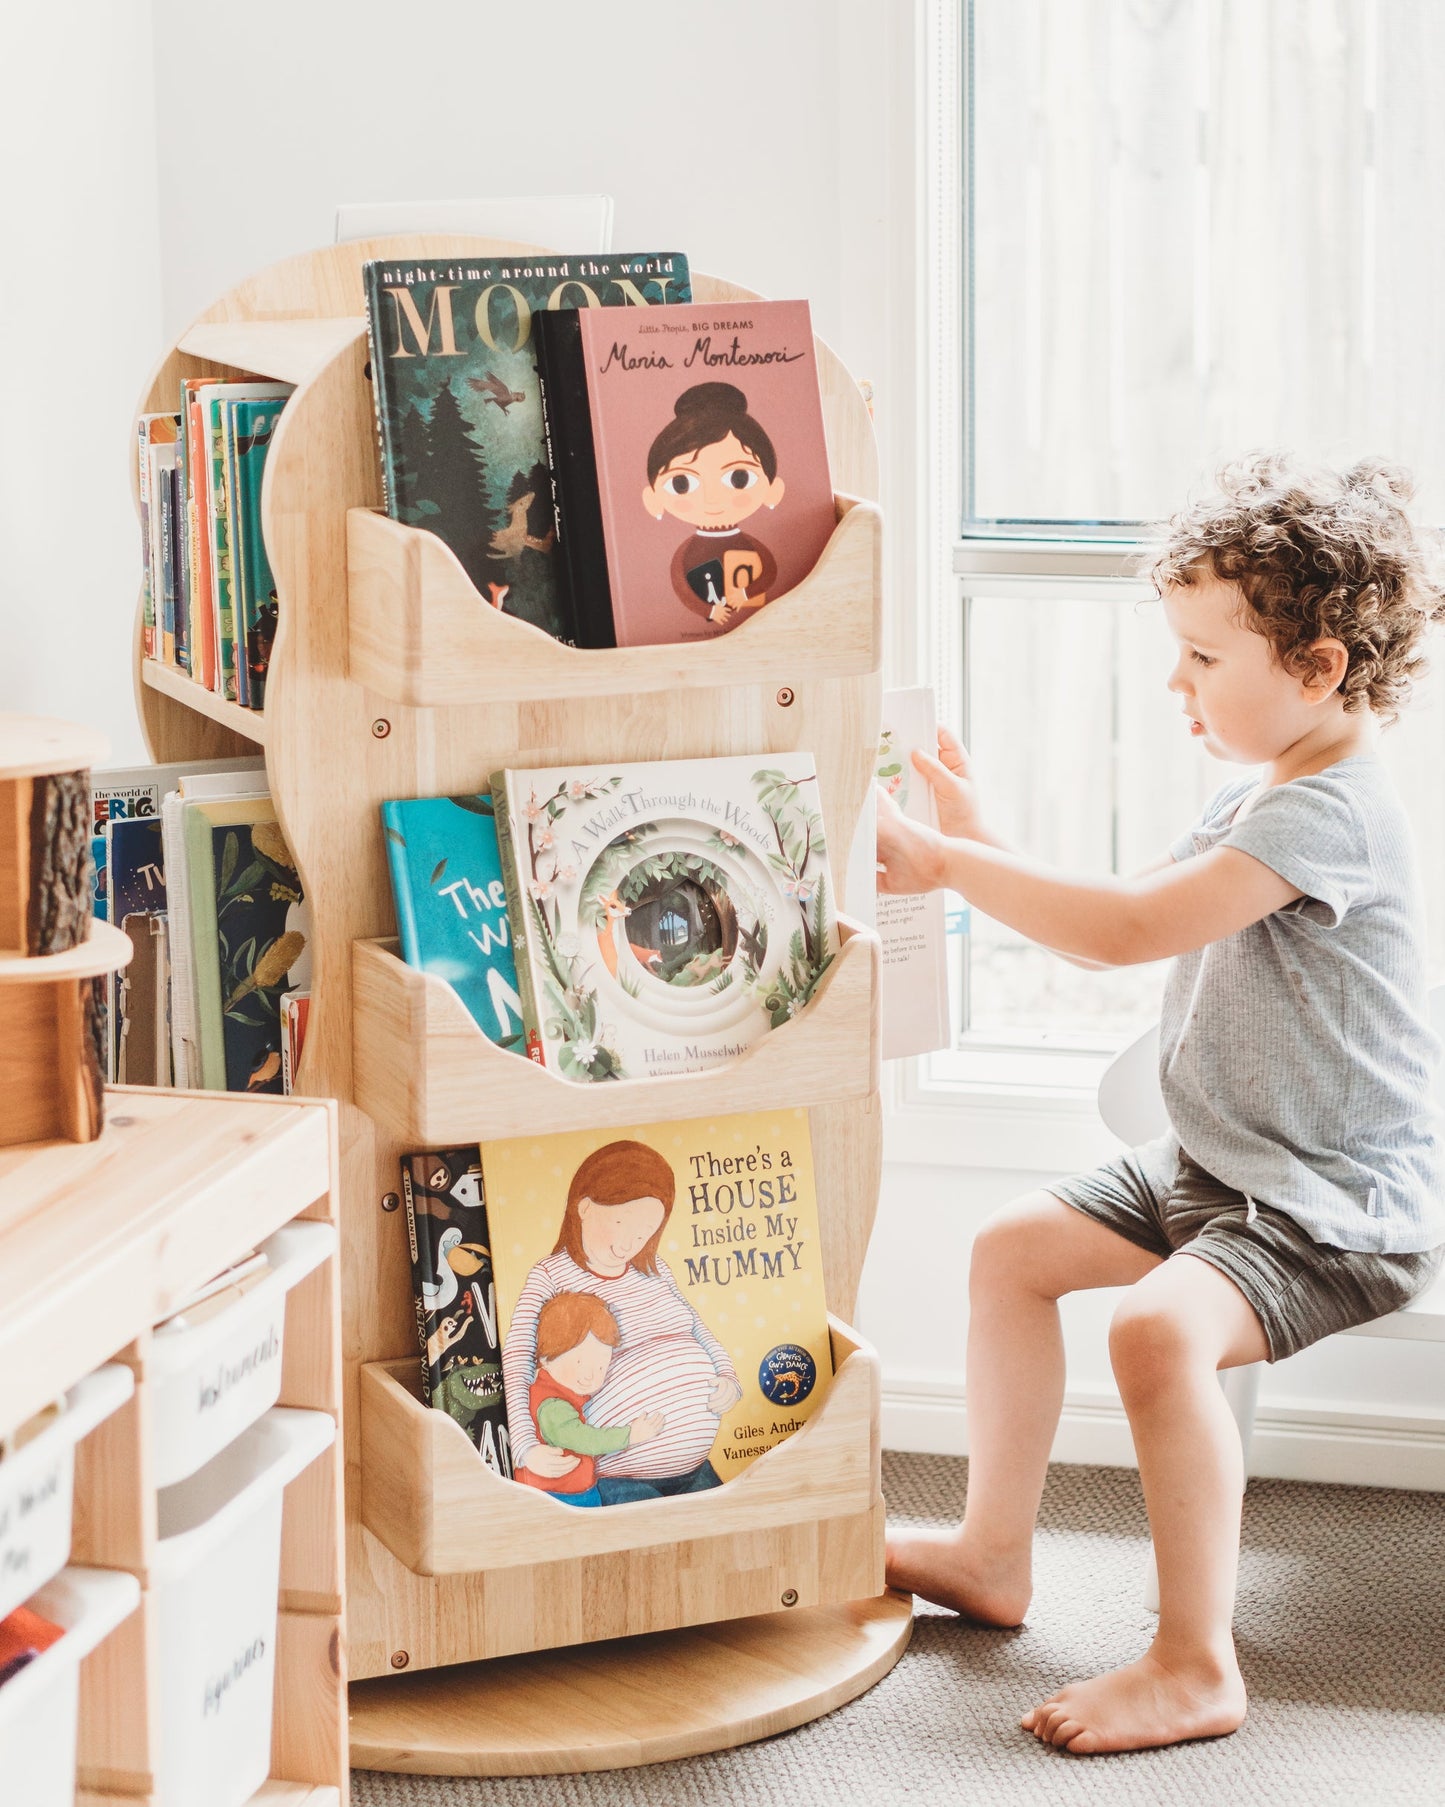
x=1199, y=228
x=1096, y=774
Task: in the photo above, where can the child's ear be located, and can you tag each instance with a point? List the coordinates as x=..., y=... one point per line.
x=652, y=502
x=1325, y=663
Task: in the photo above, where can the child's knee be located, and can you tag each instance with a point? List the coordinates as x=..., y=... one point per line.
x=1150, y=1341
x=1012, y=1247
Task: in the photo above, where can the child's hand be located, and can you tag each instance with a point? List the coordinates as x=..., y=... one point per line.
x=645, y=1428
x=910, y=856
x=955, y=790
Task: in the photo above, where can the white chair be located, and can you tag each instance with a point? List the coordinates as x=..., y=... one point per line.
x=1132, y=1107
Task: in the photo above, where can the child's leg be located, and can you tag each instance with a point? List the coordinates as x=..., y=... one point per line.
x=1177, y=1327
x=1024, y=1260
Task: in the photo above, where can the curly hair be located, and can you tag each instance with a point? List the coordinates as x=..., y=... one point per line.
x=1318, y=554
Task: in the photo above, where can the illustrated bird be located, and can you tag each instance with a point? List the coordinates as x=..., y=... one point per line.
x=264, y=1068
x=508, y=541
x=455, y=1260
x=495, y=390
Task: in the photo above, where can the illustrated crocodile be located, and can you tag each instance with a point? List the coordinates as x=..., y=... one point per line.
x=469, y=1387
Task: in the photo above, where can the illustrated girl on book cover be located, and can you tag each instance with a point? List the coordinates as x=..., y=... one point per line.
x=666, y=1364
x=713, y=466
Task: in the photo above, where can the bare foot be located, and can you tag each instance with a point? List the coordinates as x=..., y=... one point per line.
x=1139, y=1706
x=939, y=1566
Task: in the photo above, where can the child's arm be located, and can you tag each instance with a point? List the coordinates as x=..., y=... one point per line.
x=1114, y=921
x=564, y=1427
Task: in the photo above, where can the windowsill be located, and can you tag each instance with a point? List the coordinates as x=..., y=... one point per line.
x=1024, y=1110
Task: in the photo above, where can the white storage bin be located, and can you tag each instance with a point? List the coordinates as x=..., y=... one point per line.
x=211, y=1379
x=36, y=1487
x=214, y=1582
x=38, y=1706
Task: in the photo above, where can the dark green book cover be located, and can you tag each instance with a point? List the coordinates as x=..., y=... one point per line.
x=459, y=417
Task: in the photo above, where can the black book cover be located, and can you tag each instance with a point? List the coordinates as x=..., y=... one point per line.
x=572, y=460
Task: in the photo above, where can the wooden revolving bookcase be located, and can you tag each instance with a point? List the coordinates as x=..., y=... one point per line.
x=391, y=678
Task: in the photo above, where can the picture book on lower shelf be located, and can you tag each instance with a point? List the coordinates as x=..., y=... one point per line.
x=451, y=905
x=665, y=916
x=660, y=1296
x=454, y=1296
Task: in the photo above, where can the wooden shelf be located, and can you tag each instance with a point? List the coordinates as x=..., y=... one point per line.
x=421, y=634
x=442, y=1511
x=423, y=1065
x=250, y=723
x=673, y=1695
x=106, y=949
x=176, y=1186
x=286, y=351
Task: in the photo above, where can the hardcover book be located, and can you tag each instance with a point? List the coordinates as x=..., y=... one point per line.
x=451, y=905
x=665, y=916
x=455, y=1297
x=247, y=939
x=138, y=790
x=914, y=973
x=458, y=411
x=660, y=1292
x=250, y=423
x=151, y=430
x=690, y=465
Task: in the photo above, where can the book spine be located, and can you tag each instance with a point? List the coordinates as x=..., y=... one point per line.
x=249, y=538
x=414, y=1249
x=143, y=489
x=165, y=545
x=178, y=563
x=373, y=352
x=393, y=833
x=203, y=619
x=572, y=462
x=517, y=900
x=223, y=563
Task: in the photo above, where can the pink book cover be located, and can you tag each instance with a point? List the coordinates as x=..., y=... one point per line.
x=711, y=462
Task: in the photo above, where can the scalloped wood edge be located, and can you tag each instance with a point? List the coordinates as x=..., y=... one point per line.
x=423, y=1065
x=421, y=634
x=439, y=1509
x=105, y=950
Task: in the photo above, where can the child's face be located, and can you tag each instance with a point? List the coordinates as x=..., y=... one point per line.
x=583, y=1369
x=1240, y=700
x=714, y=488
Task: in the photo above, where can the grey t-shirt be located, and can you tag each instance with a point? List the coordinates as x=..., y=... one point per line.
x=1296, y=1058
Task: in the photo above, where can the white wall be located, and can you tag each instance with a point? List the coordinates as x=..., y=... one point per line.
x=80, y=323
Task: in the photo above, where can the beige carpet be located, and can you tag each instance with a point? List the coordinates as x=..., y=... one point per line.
x=1341, y=1629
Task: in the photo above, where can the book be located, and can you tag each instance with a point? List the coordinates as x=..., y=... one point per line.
x=246, y=938
x=665, y=916
x=151, y=430
x=138, y=790
x=913, y=979
x=700, y=1242
x=451, y=905
x=690, y=466
x=195, y=468
x=143, y=1033
x=458, y=410
x=455, y=1296
x=251, y=421
x=175, y=527
x=295, y=1014
x=163, y=491
x=137, y=884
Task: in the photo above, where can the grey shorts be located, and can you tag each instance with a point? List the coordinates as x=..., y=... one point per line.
x=1300, y=1290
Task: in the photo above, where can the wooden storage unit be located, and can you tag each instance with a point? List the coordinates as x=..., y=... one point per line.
x=391, y=678
x=100, y=1240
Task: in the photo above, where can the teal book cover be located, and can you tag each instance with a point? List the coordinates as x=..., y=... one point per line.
x=459, y=411
x=252, y=425
x=451, y=905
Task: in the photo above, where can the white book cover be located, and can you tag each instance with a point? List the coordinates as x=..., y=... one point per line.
x=914, y=977
x=665, y=916
x=137, y=790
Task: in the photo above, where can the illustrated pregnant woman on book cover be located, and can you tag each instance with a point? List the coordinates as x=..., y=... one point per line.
x=666, y=1359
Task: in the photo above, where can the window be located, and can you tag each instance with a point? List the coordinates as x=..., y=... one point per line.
x=1187, y=230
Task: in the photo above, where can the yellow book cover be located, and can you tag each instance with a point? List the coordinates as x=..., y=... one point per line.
x=660, y=1296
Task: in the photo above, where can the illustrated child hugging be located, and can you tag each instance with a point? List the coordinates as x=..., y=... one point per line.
x=713, y=466
x=1299, y=1191
x=576, y=1335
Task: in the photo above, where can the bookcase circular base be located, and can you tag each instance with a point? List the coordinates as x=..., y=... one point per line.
x=629, y=1701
